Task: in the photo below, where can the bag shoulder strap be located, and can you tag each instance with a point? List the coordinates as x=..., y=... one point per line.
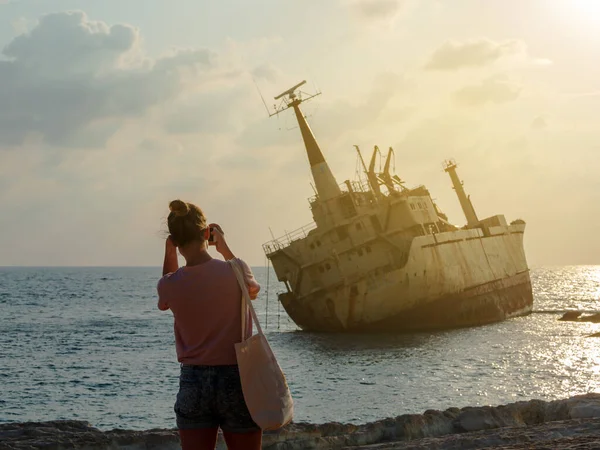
x=246, y=301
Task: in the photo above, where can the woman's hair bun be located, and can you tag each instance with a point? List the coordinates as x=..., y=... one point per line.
x=179, y=208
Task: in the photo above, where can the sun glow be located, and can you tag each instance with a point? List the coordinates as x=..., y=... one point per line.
x=582, y=10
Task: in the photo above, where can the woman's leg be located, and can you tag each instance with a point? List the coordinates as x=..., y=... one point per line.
x=239, y=430
x=199, y=439
x=243, y=441
x=196, y=420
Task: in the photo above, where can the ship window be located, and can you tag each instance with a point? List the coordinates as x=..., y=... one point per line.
x=368, y=249
x=420, y=205
x=342, y=233
x=360, y=252
x=375, y=223
x=358, y=226
x=347, y=206
x=327, y=266
x=412, y=206
x=312, y=246
x=318, y=243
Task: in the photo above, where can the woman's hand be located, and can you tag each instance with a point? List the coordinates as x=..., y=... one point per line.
x=220, y=242
x=253, y=290
x=170, y=263
x=170, y=246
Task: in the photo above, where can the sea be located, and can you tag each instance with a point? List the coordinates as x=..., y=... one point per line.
x=89, y=343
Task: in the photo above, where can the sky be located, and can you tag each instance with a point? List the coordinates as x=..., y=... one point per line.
x=109, y=110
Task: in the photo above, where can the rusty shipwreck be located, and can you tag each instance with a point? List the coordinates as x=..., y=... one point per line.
x=380, y=256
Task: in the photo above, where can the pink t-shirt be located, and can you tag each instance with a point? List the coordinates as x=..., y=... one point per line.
x=206, y=304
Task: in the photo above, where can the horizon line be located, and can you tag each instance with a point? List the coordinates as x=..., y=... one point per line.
x=270, y=266
x=87, y=266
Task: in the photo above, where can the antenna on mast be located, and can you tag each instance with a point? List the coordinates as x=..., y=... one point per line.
x=261, y=96
x=290, y=91
x=290, y=97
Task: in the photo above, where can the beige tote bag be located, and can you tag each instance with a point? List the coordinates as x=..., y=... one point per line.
x=264, y=385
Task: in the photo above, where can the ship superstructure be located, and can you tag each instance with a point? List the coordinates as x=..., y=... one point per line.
x=381, y=256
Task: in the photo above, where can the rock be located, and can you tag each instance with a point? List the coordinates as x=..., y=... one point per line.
x=576, y=316
x=485, y=418
x=514, y=424
x=571, y=315
x=63, y=434
x=580, y=434
x=585, y=410
x=595, y=318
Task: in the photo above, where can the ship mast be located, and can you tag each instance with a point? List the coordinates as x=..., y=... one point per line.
x=325, y=183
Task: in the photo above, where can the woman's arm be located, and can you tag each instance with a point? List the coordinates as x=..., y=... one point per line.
x=220, y=243
x=170, y=263
x=251, y=283
x=223, y=249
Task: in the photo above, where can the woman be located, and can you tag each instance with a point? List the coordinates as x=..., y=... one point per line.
x=205, y=299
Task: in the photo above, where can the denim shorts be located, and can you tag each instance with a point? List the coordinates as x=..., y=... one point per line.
x=211, y=397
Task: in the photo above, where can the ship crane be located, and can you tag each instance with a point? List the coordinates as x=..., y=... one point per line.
x=386, y=178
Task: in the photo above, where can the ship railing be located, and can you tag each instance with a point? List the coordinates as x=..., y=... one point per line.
x=288, y=238
x=356, y=185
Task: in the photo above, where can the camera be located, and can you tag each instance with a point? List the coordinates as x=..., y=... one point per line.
x=211, y=238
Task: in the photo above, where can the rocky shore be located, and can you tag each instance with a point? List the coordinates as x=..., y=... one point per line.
x=573, y=423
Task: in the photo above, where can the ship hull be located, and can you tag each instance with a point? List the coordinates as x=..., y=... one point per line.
x=487, y=303
x=452, y=279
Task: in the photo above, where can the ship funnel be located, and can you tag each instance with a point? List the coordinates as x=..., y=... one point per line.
x=463, y=198
x=325, y=183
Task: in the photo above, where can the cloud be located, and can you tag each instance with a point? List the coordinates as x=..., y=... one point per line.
x=498, y=89
x=434, y=139
x=342, y=116
x=481, y=52
x=215, y=111
x=68, y=42
x=539, y=123
x=70, y=75
x=20, y=25
x=583, y=94
x=267, y=72
x=377, y=9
